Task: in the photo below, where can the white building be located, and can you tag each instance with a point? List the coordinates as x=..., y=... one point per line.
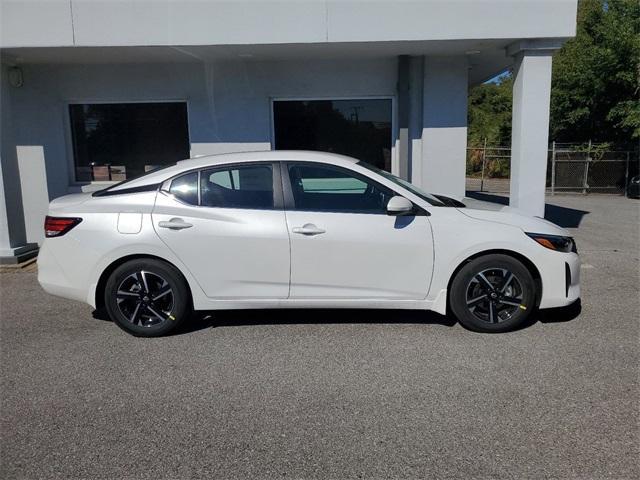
x=97, y=89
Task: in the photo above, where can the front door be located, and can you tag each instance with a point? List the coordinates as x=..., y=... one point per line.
x=227, y=226
x=343, y=243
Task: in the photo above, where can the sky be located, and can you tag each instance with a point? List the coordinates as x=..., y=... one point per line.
x=499, y=77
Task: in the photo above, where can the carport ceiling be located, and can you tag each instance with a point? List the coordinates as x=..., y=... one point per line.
x=486, y=57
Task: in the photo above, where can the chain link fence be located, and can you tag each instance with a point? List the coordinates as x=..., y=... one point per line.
x=570, y=168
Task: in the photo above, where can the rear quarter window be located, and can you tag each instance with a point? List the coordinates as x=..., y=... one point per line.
x=185, y=188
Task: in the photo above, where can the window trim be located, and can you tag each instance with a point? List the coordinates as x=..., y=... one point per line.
x=73, y=184
x=278, y=196
x=289, y=201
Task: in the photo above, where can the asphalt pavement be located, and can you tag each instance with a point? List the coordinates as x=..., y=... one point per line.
x=334, y=394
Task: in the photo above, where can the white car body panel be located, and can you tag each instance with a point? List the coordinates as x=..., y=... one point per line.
x=238, y=258
x=360, y=256
x=234, y=253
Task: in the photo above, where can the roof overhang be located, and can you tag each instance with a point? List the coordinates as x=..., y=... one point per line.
x=486, y=58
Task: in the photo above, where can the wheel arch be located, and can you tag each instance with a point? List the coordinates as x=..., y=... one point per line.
x=106, y=273
x=529, y=265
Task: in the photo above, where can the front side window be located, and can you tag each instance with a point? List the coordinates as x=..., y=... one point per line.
x=119, y=141
x=245, y=186
x=333, y=189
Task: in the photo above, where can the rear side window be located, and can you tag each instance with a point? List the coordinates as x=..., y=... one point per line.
x=185, y=188
x=244, y=186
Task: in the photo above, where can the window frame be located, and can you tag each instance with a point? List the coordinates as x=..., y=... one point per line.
x=289, y=200
x=75, y=184
x=278, y=196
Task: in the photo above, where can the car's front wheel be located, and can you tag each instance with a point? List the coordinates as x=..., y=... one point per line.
x=493, y=293
x=147, y=297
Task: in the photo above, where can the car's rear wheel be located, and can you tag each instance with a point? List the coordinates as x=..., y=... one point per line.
x=147, y=297
x=493, y=293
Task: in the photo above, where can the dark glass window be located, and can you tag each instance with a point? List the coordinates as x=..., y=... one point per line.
x=330, y=189
x=358, y=128
x=249, y=186
x=185, y=188
x=118, y=141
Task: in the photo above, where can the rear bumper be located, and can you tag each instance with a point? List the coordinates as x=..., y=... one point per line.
x=53, y=277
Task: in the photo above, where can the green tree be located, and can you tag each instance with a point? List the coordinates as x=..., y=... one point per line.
x=490, y=113
x=595, y=83
x=594, y=93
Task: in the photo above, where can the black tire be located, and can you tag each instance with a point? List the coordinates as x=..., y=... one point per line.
x=147, y=298
x=502, y=303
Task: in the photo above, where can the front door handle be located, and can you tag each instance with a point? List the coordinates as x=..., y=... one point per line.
x=308, y=229
x=175, y=224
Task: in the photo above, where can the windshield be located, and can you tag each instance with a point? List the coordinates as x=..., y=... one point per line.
x=427, y=197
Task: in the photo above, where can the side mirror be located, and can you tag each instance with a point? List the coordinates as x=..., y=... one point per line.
x=399, y=205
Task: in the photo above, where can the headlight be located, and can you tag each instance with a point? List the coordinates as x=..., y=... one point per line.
x=635, y=179
x=555, y=242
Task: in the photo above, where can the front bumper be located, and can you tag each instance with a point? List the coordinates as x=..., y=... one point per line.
x=560, y=280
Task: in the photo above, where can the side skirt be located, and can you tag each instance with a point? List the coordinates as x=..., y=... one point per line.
x=324, y=303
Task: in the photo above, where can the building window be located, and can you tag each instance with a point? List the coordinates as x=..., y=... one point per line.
x=358, y=128
x=118, y=141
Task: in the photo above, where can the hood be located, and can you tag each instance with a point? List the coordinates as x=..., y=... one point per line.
x=517, y=218
x=69, y=200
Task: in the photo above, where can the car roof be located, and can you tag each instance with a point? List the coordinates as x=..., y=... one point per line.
x=197, y=162
x=267, y=155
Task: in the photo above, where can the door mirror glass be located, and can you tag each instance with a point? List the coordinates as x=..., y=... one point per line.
x=399, y=205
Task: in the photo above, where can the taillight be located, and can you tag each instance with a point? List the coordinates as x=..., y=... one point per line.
x=58, y=226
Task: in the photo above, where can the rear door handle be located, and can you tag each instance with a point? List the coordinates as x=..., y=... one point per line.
x=175, y=224
x=308, y=229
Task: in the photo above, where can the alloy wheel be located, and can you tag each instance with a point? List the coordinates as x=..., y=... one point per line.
x=145, y=298
x=494, y=295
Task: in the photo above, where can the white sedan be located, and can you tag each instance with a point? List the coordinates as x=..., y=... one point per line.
x=293, y=229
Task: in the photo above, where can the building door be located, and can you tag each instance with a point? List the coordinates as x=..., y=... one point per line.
x=359, y=128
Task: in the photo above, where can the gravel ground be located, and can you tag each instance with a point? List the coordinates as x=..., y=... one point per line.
x=330, y=394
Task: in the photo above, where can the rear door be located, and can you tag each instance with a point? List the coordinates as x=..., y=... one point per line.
x=227, y=225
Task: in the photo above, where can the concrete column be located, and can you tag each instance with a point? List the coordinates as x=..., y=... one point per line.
x=530, y=128
x=416, y=89
x=403, y=116
x=444, y=132
x=410, y=85
x=13, y=240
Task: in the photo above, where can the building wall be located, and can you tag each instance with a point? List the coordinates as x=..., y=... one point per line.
x=229, y=105
x=12, y=233
x=193, y=22
x=444, y=126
